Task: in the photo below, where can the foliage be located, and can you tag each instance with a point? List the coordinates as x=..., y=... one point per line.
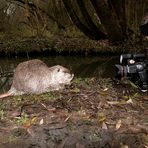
x=23, y=119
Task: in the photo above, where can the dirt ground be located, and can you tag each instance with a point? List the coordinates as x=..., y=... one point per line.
x=91, y=113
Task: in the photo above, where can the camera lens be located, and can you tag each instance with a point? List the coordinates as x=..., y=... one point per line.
x=121, y=71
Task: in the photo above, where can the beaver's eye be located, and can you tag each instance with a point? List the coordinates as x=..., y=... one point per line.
x=59, y=70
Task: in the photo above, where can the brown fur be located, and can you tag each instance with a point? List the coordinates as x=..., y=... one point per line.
x=35, y=77
x=5, y=95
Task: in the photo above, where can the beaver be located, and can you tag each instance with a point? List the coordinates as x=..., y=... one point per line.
x=35, y=77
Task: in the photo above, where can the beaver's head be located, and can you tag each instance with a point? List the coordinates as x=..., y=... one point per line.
x=62, y=75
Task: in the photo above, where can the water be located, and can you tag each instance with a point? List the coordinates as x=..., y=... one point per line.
x=92, y=66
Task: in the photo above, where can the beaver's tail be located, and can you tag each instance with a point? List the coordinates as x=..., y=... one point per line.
x=7, y=94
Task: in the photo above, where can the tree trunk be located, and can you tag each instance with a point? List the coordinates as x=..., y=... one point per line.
x=33, y=8
x=88, y=20
x=108, y=19
x=75, y=19
x=119, y=7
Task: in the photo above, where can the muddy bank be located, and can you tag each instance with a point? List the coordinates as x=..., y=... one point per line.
x=90, y=113
x=61, y=45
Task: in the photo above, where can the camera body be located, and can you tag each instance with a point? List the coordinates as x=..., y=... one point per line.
x=135, y=68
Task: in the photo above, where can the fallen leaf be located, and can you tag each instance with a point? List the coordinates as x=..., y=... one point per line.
x=113, y=102
x=104, y=126
x=76, y=90
x=49, y=109
x=133, y=85
x=105, y=89
x=118, y=125
x=33, y=120
x=44, y=105
x=27, y=124
x=41, y=122
x=30, y=131
x=102, y=119
x=67, y=118
x=129, y=101
x=104, y=93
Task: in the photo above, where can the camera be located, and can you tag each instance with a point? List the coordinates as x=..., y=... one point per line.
x=135, y=68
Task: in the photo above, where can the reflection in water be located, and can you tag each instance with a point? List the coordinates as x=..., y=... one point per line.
x=92, y=66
